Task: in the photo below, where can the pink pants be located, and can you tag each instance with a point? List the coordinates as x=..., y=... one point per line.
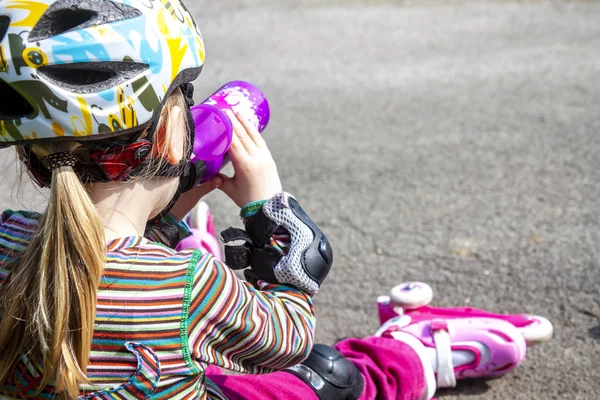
x=390, y=369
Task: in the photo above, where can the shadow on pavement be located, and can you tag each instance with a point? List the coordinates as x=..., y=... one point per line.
x=594, y=332
x=467, y=388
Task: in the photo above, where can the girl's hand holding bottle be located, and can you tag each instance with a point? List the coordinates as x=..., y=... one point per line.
x=256, y=177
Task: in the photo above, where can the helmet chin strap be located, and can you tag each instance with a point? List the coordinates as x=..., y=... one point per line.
x=190, y=174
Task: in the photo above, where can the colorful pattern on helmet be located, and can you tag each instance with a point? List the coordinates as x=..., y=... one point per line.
x=164, y=36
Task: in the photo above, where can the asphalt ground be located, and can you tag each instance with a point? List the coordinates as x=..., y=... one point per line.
x=456, y=143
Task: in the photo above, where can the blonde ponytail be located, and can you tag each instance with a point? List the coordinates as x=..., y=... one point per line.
x=48, y=306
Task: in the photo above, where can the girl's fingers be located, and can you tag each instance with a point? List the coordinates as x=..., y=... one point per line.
x=240, y=132
x=237, y=151
x=252, y=131
x=227, y=185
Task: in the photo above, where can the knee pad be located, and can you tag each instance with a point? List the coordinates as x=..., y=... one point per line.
x=329, y=374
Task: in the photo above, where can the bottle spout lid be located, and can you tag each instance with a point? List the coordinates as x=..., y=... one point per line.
x=213, y=132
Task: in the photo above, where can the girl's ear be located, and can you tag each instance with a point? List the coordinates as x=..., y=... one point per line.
x=176, y=134
x=170, y=137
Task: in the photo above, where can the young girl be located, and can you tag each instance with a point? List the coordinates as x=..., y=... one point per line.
x=95, y=98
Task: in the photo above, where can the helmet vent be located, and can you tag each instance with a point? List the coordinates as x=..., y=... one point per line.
x=60, y=21
x=4, y=23
x=91, y=77
x=77, y=76
x=67, y=15
x=12, y=104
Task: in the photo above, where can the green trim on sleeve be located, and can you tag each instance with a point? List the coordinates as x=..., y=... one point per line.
x=185, y=311
x=251, y=209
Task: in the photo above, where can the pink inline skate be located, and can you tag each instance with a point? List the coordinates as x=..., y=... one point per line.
x=460, y=342
x=200, y=222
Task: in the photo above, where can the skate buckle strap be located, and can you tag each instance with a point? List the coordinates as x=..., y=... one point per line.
x=445, y=368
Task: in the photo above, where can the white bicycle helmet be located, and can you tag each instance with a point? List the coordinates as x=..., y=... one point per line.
x=91, y=69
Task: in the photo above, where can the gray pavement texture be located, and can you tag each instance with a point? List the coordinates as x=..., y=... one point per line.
x=452, y=143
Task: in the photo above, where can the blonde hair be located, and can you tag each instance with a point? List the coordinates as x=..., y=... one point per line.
x=48, y=303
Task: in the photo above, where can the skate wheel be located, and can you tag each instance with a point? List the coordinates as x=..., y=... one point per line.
x=411, y=295
x=538, y=331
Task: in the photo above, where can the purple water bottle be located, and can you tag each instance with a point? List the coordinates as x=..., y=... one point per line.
x=214, y=130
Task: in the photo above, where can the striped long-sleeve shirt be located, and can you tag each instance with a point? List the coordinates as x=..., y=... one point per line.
x=163, y=316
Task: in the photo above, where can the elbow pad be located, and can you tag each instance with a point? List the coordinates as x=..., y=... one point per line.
x=310, y=255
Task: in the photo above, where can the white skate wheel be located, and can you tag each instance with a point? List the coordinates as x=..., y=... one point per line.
x=411, y=295
x=538, y=331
